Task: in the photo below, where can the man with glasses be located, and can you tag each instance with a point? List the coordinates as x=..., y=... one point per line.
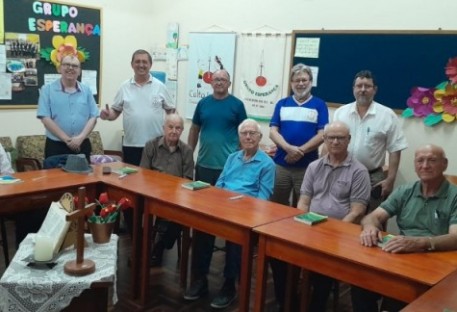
x=336, y=185
x=375, y=130
x=68, y=111
x=250, y=172
x=296, y=127
x=214, y=125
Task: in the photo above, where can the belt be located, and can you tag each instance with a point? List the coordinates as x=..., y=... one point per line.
x=375, y=170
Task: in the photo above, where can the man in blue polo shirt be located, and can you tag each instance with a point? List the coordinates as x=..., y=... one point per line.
x=68, y=111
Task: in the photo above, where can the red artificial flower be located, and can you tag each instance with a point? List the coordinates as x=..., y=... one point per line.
x=103, y=198
x=451, y=70
x=125, y=203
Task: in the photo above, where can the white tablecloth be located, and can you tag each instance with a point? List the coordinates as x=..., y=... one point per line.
x=36, y=289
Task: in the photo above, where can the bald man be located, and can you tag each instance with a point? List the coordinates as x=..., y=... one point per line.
x=426, y=217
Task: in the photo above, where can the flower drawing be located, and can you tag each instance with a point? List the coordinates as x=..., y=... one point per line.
x=63, y=47
x=421, y=101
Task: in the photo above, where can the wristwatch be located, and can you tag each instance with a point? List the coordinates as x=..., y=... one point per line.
x=432, y=244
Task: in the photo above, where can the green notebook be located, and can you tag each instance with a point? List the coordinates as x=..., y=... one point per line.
x=385, y=239
x=310, y=218
x=125, y=170
x=195, y=185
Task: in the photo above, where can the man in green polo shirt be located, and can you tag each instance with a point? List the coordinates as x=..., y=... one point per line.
x=426, y=217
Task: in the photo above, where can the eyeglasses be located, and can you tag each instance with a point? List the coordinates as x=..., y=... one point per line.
x=250, y=133
x=68, y=65
x=300, y=80
x=337, y=138
x=220, y=80
x=361, y=86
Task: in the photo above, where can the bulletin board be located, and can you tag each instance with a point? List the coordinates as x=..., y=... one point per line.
x=399, y=60
x=31, y=30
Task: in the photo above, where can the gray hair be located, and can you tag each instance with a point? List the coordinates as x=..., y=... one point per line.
x=249, y=121
x=301, y=68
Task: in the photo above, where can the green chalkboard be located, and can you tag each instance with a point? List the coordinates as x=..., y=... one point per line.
x=31, y=26
x=399, y=60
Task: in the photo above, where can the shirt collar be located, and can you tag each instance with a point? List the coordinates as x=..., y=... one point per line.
x=132, y=80
x=346, y=163
x=62, y=87
x=161, y=143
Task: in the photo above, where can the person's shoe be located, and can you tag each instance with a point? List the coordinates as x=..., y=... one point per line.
x=198, y=288
x=157, y=254
x=224, y=298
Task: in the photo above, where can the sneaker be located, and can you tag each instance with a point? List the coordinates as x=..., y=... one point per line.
x=198, y=288
x=224, y=298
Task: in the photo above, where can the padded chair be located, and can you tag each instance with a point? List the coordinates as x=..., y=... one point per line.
x=97, y=147
x=30, y=150
x=10, y=150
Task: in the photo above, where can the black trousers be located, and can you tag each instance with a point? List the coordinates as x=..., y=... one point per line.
x=53, y=148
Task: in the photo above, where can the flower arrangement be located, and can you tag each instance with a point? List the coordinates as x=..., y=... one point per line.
x=107, y=211
x=435, y=104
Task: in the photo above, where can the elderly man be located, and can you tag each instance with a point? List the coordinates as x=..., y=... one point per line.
x=375, y=130
x=426, y=214
x=250, y=172
x=144, y=101
x=336, y=185
x=170, y=155
x=68, y=111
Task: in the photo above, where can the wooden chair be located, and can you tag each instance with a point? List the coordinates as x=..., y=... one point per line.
x=451, y=178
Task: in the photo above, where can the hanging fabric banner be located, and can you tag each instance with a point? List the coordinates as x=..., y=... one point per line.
x=259, y=73
x=208, y=52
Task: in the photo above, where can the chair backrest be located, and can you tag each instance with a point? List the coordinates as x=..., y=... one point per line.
x=96, y=142
x=7, y=143
x=31, y=146
x=452, y=179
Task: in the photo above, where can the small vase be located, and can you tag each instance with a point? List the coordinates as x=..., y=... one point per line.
x=101, y=232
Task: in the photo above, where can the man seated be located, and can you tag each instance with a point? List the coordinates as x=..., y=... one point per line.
x=170, y=155
x=251, y=172
x=426, y=213
x=336, y=185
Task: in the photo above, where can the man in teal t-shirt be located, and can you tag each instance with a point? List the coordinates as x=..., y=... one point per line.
x=216, y=120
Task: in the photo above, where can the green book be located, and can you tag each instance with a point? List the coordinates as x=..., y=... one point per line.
x=195, y=185
x=125, y=170
x=385, y=239
x=310, y=218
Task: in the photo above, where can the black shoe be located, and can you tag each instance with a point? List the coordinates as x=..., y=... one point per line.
x=225, y=297
x=157, y=254
x=198, y=288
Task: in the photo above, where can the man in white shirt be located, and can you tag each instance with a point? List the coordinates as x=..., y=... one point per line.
x=374, y=130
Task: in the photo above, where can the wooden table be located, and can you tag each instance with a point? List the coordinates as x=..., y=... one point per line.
x=332, y=248
x=208, y=210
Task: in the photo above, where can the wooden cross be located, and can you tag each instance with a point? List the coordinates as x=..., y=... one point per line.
x=80, y=266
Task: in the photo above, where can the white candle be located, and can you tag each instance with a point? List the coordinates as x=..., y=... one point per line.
x=43, y=248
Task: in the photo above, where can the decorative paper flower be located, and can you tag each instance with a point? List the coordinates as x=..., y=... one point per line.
x=106, y=210
x=63, y=47
x=446, y=102
x=435, y=104
x=451, y=70
x=421, y=101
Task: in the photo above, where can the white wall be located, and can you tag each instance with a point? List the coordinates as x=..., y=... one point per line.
x=129, y=25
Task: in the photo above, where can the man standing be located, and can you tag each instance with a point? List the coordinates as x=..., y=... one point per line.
x=249, y=171
x=336, y=185
x=296, y=127
x=426, y=212
x=215, y=122
x=375, y=130
x=68, y=111
x=170, y=155
x=143, y=99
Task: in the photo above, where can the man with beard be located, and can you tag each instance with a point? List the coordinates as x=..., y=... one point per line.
x=375, y=130
x=296, y=127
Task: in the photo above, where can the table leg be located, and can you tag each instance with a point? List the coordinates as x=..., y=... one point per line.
x=136, y=247
x=246, y=271
x=145, y=257
x=185, y=245
x=261, y=274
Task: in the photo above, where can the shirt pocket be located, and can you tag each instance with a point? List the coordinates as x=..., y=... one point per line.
x=340, y=189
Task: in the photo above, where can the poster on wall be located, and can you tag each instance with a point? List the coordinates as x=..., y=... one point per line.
x=208, y=52
x=37, y=34
x=259, y=70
